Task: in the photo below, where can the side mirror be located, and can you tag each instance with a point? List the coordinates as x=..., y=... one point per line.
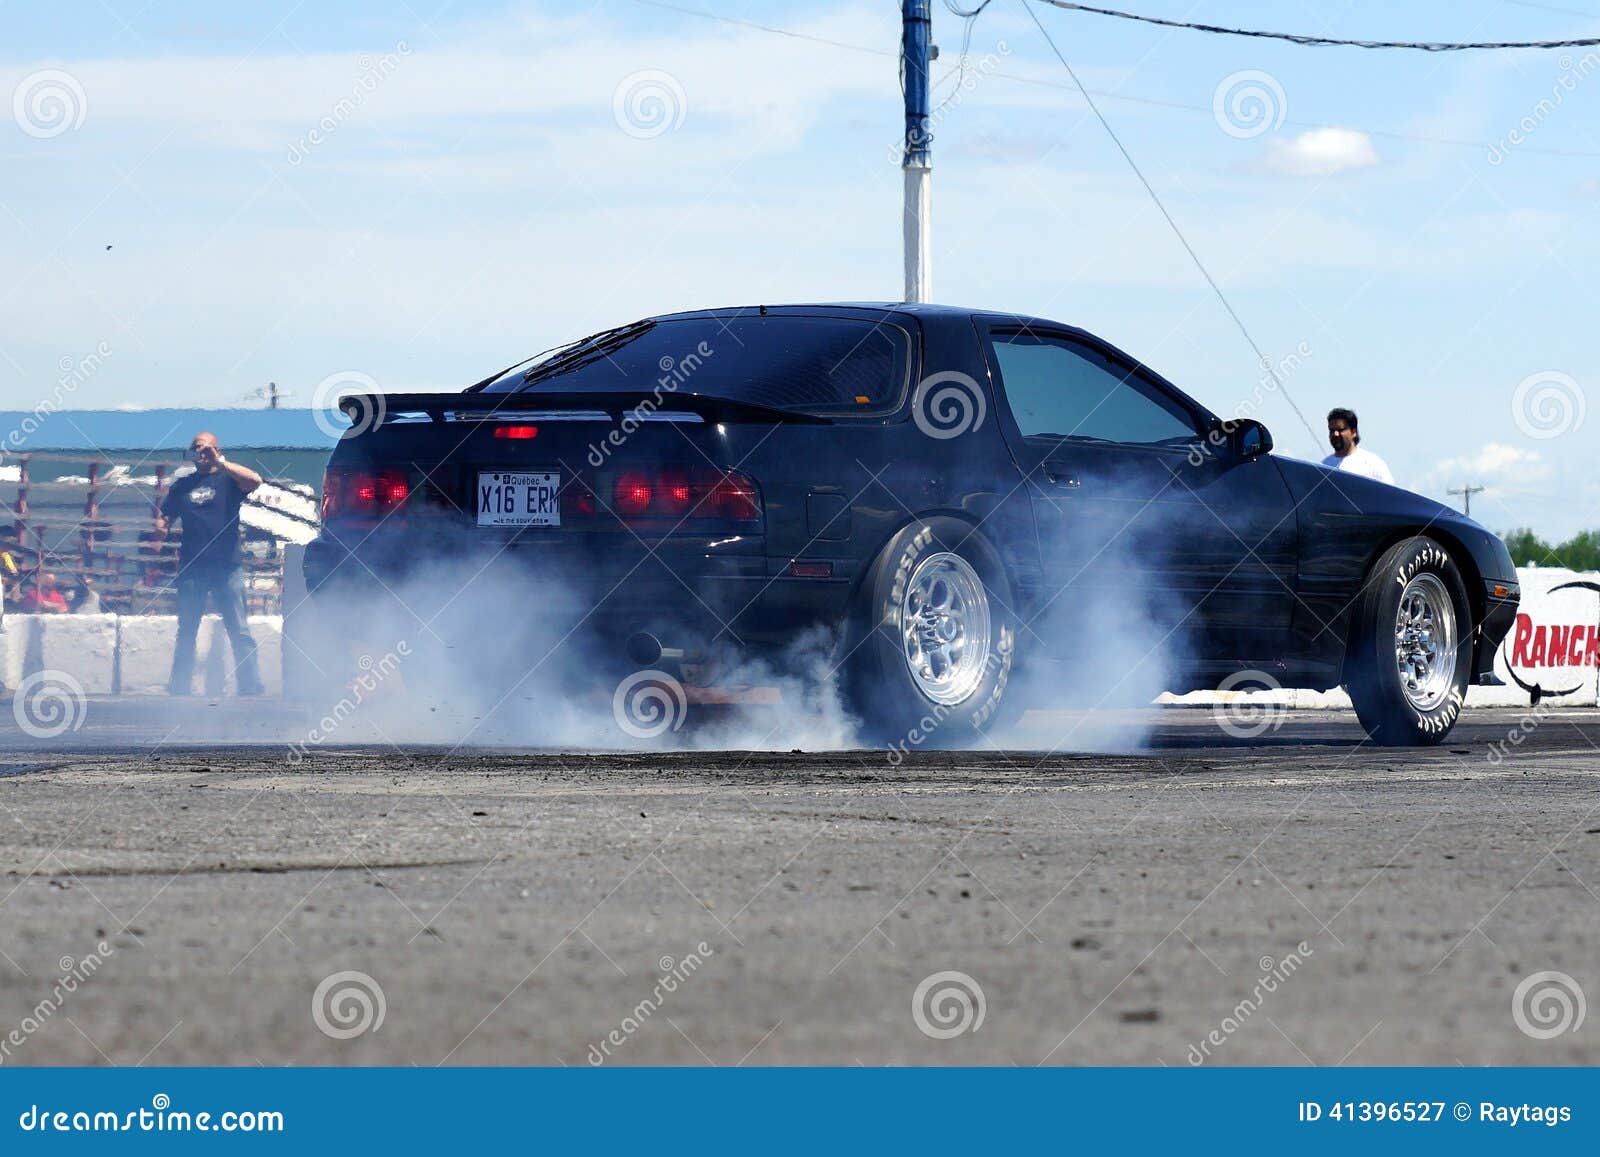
x=1249, y=438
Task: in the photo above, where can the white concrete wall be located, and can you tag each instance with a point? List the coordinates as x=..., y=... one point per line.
x=130, y=654
x=83, y=646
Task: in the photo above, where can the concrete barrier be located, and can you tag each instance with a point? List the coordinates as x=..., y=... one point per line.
x=145, y=654
x=129, y=654
x=81, y=646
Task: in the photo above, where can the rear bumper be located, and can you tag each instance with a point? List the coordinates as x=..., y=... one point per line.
x=687, y=592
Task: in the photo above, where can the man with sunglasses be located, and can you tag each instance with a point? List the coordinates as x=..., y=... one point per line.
x=207, y=503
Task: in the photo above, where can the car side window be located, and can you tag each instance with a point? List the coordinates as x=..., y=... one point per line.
x=1059, y=388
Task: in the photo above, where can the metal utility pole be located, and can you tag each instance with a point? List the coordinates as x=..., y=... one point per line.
x=1466, y=493
x=916, y=38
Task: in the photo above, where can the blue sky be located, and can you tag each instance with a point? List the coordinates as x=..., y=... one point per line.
x=423, y=192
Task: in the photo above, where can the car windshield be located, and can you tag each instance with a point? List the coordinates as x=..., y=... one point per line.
x=802, y=363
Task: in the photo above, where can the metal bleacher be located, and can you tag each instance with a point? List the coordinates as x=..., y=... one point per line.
x=100, y=525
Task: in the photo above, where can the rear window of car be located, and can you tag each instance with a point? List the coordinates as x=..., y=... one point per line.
x=806, y=364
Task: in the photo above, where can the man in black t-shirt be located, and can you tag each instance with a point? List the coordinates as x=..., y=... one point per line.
x=207, y=503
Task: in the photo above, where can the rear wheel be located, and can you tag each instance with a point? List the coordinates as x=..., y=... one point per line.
x=933, y=639
x=1411, y=654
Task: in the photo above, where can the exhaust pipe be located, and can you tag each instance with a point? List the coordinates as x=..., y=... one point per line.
x=646, y=650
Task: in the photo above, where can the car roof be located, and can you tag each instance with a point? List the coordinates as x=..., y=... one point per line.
x=874, y=308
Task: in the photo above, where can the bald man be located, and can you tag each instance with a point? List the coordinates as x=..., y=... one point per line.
x=207, y=504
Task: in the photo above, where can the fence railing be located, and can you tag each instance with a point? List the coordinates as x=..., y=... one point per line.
x=97, y=532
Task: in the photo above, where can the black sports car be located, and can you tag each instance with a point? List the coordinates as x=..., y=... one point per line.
x=957, y=493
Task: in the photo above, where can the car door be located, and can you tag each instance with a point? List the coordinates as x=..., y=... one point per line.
x=1146, y=526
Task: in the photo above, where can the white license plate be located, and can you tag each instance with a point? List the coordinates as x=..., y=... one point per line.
x=520, y=499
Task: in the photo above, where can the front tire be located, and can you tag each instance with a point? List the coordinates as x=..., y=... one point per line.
x=932, y=643
x=1411, y=651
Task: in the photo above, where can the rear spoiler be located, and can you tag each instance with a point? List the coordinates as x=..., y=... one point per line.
x=368, y=410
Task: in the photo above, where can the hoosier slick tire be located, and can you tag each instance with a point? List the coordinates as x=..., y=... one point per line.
x=1411, y=647
x=931, y=644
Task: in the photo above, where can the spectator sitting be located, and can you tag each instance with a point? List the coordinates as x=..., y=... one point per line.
x=86, y=600
x=44, y=597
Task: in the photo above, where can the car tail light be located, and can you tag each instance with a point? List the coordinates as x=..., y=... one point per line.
x=686, y=495
x=519, y=432
x=733, y=496
x=674, y=494
x=633, y=494
x=363, y=493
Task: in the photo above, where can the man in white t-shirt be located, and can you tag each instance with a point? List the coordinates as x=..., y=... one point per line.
x=1344, y=435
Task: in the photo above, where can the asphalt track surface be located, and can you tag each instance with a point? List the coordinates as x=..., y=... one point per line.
x=523, y=906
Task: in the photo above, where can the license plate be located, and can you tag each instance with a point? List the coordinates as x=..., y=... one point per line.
x=520, y=499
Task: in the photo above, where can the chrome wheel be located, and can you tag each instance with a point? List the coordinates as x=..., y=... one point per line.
x=1425, y=642
x=945, y=624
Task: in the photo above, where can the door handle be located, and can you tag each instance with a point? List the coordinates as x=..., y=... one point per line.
x=1062, y=477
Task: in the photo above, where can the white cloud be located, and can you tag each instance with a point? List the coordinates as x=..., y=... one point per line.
x=1510, y=470
x=1321, y=153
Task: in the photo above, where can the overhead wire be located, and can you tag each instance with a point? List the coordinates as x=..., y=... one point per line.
x=1524, y=149
x=1261, y=358
x=1326, y=41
